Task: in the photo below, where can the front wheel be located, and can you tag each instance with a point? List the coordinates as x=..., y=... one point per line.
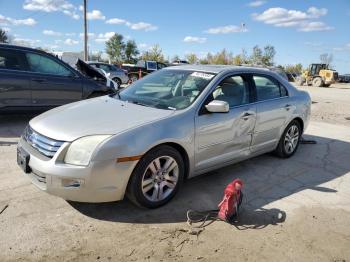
x=156, y=178
x=289, y=141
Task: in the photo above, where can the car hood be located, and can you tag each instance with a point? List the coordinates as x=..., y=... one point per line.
x=97, y=116
x=88, y=70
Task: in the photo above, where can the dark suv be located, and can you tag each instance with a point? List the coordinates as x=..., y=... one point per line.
x=31, y=79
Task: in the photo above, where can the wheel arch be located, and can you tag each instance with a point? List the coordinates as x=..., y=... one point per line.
x=182, y=152
x=301, y=123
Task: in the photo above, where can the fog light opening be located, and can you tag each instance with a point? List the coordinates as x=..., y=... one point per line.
x=72, y=183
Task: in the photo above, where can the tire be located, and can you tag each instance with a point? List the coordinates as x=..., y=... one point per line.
x=317, y=82
x=118, y=82
x=289, y=143
x=145, y=184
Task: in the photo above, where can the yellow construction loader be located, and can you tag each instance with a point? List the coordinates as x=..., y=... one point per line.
x=318, y=75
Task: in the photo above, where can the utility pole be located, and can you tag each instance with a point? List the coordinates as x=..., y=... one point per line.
x=85, y=33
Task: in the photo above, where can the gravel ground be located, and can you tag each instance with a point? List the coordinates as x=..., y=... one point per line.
x=331, y=105
x=294, y=210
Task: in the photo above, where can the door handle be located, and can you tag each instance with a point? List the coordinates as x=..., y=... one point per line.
x=246, y=115
x=38, y=80
x=287, y=107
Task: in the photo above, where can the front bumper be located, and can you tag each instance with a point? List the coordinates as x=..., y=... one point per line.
x=100, y=181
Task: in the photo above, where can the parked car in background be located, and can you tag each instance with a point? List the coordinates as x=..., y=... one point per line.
x=118, y=75
x=180, y=62
x=171, y=125
x=344, y=78
x=31, y=79
x=142, y=67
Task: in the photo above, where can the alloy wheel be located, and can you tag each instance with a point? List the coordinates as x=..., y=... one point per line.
x=160, y=178
x=291, y=139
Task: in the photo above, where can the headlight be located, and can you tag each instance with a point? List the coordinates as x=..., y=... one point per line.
x=80, y=151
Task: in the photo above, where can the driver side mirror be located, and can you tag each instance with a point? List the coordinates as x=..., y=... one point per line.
x=218, y=106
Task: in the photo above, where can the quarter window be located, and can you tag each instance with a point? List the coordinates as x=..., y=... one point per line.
x=10, y=60
x=41, y=64
x=233, y=90
x=266, y=88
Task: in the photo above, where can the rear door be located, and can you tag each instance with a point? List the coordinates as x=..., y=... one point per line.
x=273, y=110
x=14, y=80
x=53, y=83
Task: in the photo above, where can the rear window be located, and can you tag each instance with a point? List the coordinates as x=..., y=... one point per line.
x=11, y=60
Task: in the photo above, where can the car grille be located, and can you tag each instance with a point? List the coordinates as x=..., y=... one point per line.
x=43, y=144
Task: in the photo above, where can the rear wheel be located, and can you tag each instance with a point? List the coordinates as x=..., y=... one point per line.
x=317, y=82
x=156, y=178
x=289, y=141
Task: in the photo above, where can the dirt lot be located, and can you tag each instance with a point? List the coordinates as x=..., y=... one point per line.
x=295, y=210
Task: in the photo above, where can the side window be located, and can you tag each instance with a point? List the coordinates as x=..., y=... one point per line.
x=266, y=88
x=10, y=60
x=234, y=90
x=41, y=64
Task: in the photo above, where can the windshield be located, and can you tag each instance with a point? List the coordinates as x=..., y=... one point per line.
x=167, y=89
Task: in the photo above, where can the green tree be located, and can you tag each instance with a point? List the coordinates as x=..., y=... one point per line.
x=131, y=52
x=268, y=55
x=3, y=36
x=115, y=48
x=256, y=56
x=154, y=54
x=192, y=58
x=297, y=68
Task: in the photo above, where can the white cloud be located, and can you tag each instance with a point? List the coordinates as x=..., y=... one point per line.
x=11, y=21
x=72, y=14
x=70, y=34
x=226, y=29
x=116, y=21
x=143, y=46
x=90, y=35
x=195, y=39
x=101, y=38
x=70, y=41
x=346, y=47
x=256, y=3
x=49, y=6
x=303, y=21
x=25, y=41
x=314, y=26
x=134, y=26
x=51, y=33
x=142, y=26
x=95, y=15
x=81, y=8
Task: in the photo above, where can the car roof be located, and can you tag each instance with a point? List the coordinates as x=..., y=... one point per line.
x=24, y=48
x=215, y=69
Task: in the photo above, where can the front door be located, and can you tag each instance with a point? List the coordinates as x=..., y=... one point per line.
x=52, y=83
x=223, y=137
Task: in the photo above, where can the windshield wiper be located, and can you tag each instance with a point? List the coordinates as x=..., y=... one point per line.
x=138, y=103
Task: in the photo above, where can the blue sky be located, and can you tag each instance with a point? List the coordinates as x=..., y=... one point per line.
x=299, y=30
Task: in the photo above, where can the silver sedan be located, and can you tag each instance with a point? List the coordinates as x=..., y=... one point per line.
x=172, y=125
